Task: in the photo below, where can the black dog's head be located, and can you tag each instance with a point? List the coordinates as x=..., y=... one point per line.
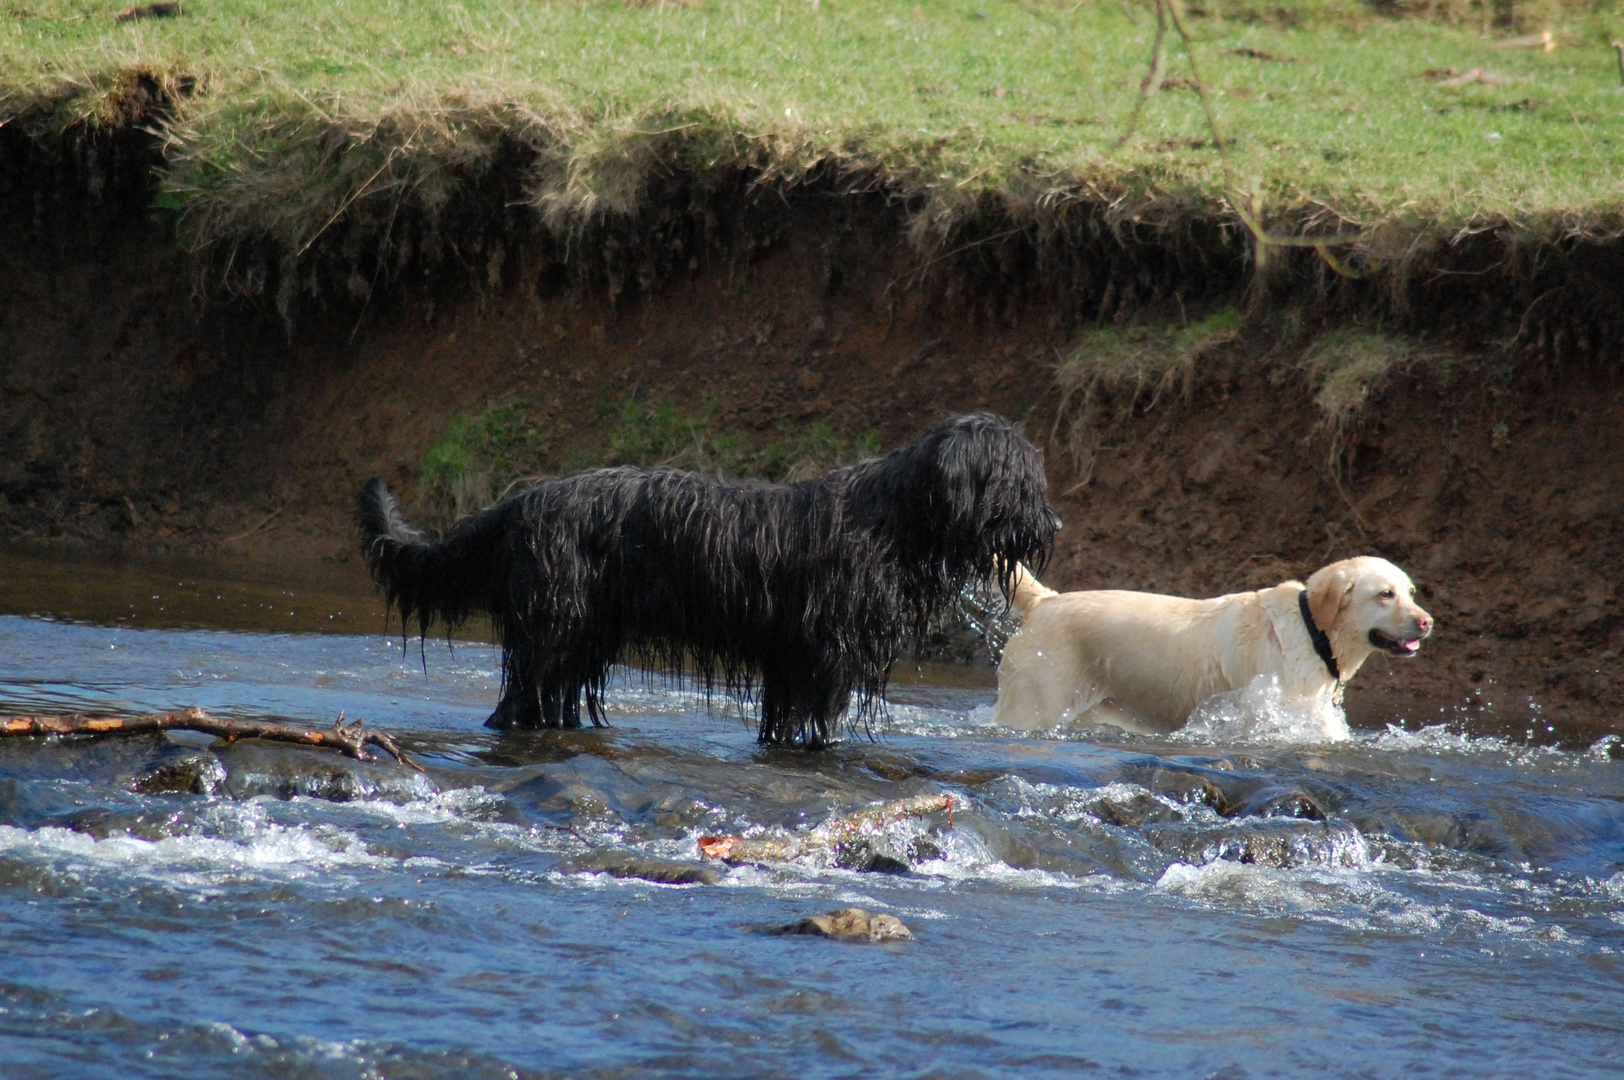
x=955, y=502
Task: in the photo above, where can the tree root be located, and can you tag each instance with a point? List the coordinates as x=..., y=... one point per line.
x=351, y=738
x=832, y=833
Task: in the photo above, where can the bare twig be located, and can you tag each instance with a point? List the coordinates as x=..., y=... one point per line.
x=1244, y=206
x=1261, y=54
x=351, y=738
x=1541, y=40
x=1153, y=77
x=266, y=520
x=833, y=833
x=1195, y=72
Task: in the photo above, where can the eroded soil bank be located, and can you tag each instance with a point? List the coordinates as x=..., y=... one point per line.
x=134, y=414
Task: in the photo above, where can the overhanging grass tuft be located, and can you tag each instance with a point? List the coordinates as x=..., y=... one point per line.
x=299, y=111
x=661, y=433
x=1347, y=366
x=1113, y=371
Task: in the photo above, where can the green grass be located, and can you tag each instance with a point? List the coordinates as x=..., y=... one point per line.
x=482, y=455
x=304, y=112
x=659, y=433
x=1117, y=370
x=478, y=457
x=1113, y=373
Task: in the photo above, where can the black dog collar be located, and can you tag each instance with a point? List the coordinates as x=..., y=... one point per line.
x=1322, y=643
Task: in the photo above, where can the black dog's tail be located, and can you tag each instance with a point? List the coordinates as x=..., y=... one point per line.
x=443, y=581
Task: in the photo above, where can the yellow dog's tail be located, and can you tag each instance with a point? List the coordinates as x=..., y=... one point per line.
x=1026, y=591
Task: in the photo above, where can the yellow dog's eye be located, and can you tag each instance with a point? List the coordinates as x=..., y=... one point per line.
x=1388, y=594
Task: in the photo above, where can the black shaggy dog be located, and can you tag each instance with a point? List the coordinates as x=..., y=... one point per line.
x=808, y=591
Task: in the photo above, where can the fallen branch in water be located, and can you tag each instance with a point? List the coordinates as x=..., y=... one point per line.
x=351, y=738
x=833, y=833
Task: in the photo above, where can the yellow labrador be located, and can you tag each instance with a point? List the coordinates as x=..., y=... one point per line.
x=1143, y=661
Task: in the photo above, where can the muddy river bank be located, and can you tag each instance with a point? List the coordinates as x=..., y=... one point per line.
x=142, y=414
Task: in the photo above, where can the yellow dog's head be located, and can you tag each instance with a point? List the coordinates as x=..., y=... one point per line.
x=1367, y=604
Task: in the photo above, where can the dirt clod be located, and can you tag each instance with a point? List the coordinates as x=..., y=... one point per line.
x=167, y=10
x=851, y=924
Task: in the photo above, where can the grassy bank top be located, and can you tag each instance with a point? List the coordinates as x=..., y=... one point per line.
x=291, y=111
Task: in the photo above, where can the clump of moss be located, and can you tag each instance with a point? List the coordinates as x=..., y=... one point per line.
x=1121, y=370
x=659, y=433
x=478, y=457
x=483, y=455
x=1349, y=367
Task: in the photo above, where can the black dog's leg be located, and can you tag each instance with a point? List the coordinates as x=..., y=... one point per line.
x=517, y=711
x=560, y=701
x=563, y=688
x=801, y=707
x=545, y=695
x=521, y=707
x=827, y=700
x=565, y=680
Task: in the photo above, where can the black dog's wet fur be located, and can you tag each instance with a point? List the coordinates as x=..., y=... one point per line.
x=806, y=591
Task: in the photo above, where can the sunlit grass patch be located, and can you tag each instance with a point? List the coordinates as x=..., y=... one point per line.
x=297, y=114
x=1113, y=371
x=1347, y=369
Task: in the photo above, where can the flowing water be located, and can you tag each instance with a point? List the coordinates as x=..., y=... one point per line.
x=1230, y=904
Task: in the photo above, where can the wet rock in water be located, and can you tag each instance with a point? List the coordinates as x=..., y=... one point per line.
x=195, y=773
x=285, y=772
x=628, y=864
x=851, y=924
x=1289, y=804
x=1278, y=844
x=1194, y=789
x=584, y=789
x=1140, y=809
x=1477, y=832
x=866, y=857
x=675, y=812
x=100, y=823
x=334, y=783
x=925, y=849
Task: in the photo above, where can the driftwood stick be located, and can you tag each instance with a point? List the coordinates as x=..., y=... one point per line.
x=832, y=833
x=352, y=738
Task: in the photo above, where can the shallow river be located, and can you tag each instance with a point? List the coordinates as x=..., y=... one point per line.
x=1400, y=904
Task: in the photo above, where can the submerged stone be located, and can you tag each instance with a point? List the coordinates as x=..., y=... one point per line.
x=1291, y=804
x=1140, y=809
x=196, y=773
x=865, y=856
x=287, y=772
x=100, y=823
x=627, y=864
x=851, y=924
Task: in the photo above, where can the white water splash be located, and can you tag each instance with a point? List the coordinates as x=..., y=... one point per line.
x=1259, y=712
x=259, y=850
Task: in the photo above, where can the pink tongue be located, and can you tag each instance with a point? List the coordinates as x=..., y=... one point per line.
x=1410, y=646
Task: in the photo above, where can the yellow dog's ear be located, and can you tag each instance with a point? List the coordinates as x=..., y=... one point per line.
x=1329, y=593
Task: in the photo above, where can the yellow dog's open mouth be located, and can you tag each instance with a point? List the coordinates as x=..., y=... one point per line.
x=1393, y=646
